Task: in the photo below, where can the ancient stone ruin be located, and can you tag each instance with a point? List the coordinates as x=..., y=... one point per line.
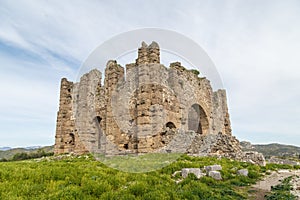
x=144, y=107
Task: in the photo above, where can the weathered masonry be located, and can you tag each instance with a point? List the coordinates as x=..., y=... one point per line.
x=144, y=107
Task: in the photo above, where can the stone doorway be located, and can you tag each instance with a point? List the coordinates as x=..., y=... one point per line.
x=197, y=119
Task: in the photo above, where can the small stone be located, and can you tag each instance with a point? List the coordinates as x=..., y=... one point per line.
x=213, y=168
x=186, y=171
x=215, y=175
x=243, y=172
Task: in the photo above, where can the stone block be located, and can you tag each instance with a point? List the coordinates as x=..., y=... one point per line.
x=186, y=171
x=215, y=175
x=213, y=168
x=242, y=172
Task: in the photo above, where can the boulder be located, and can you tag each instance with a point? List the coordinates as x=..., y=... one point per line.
x=186, y=171
x=242, y=172
x=253, y=157
x=212, y=168
x=215, y=175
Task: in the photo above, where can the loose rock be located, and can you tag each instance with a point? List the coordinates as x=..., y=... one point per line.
x=213, y=168
x=186, y=171
x=215, y=175
x=242, y=172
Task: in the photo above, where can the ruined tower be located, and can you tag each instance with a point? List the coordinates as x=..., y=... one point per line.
x=146, y=107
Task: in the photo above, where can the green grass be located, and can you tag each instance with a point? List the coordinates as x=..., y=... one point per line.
x=138, y=163
x=85, y=178
x=282, y=191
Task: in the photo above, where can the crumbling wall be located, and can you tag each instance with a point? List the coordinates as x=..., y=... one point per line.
x=221, y=121
x=85, y=112
x=67, y=139
x=139, y=111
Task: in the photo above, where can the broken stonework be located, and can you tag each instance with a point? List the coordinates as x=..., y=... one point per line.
x=212, y=168
x=215, y=175
x=144, y=107
x=282, y=161
x=186, y=171
x=242, y=172
x=215, y=144
x=225, y=146
x=252, y=157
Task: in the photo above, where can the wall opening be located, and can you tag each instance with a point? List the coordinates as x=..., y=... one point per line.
x=197, y=119
x=72, y=139
x=98, y=120
x=170, y=125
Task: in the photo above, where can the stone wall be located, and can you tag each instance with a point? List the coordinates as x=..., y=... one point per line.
x=150, y=108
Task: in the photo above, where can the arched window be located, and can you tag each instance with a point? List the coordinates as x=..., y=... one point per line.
x=98, y=131
x=170, y=125
x=197, y=119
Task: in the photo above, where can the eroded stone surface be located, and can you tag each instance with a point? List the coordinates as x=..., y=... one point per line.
x=252, y=157
x=150, y=108
x=213, y=168
x=242, y=172
x=215, y=175
x=186, y=171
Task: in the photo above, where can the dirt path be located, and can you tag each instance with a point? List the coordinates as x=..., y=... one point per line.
x=264, y=186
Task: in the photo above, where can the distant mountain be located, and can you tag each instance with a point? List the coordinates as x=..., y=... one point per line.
x=274, y=149
x=10, y=152
x=268, y=150
x=33, y=147
x=5, y=148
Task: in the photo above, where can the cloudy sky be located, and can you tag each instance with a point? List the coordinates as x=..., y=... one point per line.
x=255, y=46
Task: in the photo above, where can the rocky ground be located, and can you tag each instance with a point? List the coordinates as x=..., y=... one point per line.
x=296, y=185
x=264, y=186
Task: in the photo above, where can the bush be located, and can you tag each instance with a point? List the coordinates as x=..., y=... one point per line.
x=26, y=156
x=194, y=71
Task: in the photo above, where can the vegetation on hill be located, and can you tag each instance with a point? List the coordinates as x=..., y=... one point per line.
x=274, y=149
x=9, y=154
x=84, y=178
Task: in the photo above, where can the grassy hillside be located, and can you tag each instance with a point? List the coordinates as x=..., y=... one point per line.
x=8, y=154
x=268, y=150
x=82, y=178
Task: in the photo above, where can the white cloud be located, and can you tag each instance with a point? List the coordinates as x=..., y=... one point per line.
x=254, y=44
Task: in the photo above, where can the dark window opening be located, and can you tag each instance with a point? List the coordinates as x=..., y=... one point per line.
x=69, y=97
x=170, y=125
x=98, y=130
x=98, y=119
x=125, y=146
x=72, y=139
x=131, y=121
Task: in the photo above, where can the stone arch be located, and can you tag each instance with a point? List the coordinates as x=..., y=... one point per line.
x=197, y=119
